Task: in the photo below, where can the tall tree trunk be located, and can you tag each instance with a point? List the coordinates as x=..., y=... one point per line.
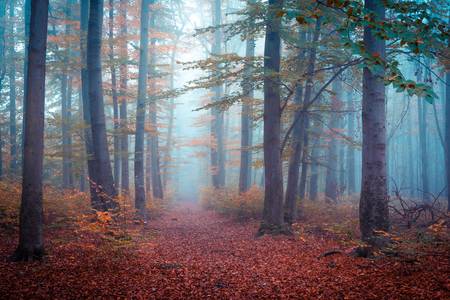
x=139, y=181
x=125, y=176
x=315, y=156
x=157, y=188
x=168, y=156
x=331, y=183
x=217, y=130
x=89, y=144
x=27, y=19
x=447, y=132
x=116, y=123
x=350, y=148
x=31, y=211
x=245, y=170
x=373, y=206
x=66, y=104
x=423, y=143
x=2, y=67
x=12, y=95
x=273, y=195
x=105, y=189
x=299, y=132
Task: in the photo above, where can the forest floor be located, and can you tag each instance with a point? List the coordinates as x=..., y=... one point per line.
x=190, y=253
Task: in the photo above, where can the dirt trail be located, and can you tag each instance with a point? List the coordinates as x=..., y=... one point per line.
x=190, y=253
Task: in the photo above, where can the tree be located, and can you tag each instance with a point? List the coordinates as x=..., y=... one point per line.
x=245, y=169
x=105, y=191
x=447, y=130
x=300, y=127
x=139, y=181
x=273, y=195
x=31, y=211
x=373, y=206
x=89, y=144
x=2, y=65
x=155, y=172
x=123, y=69
x=12, y=94
x=217, y=128
x=112, y=66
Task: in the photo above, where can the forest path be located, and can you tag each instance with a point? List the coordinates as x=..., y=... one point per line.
x=190, y=253
x=198, y=254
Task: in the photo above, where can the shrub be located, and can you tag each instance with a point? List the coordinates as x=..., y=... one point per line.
x=228, y=202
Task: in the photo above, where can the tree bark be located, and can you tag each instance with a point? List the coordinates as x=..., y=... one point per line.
x=245, y=170
x=125, y=176
x=105, y=189
x=373, y=207
x=217, y=128
x=139, y=181
x=447, y=132
x=331, y=182
x=350, y=149
x=299, y=132
x=273, y=196
x=66, y=104
x=112, y=68
x=31, y=211
x=12, y=95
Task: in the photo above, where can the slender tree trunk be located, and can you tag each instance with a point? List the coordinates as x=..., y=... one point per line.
x=423, y=143
x=217, y=130
x=12, y=95
x=116, y=123
x=304, y=158
x=245, y=170
x=273, y=196
x=299, y=135
x=89, y=144
x=331, y=183
x=66, y=104
x=373, y=207
x=27, y=18
x=31, y=211
x=2, y=67
x=447, y=133
x=139, y=181
x=168, y=156
x=105, y=188
x=315, y=154
x=350, y=148
x=157, y=187
x=125, y=176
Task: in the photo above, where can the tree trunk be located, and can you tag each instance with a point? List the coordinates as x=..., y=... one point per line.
x=125, y=176
x=31, y=211
x=315, y=156
x=157, y=188
x=331, y=183
x=350, y=149
x=116, y=123
x=373, y=207
x=245, y=170
x=299, y=132
x=26, y=17
x=447, y=132
x=105, y=189
x=423, y=143
x=139, y=181
x=12, y=95
x=89, y=144
x=273, y=196
x=66, y=104
x=217, y=130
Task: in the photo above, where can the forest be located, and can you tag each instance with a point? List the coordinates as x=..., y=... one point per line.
x=224, y=149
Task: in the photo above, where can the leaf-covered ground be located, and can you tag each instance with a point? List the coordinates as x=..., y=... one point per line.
x=189, y=253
